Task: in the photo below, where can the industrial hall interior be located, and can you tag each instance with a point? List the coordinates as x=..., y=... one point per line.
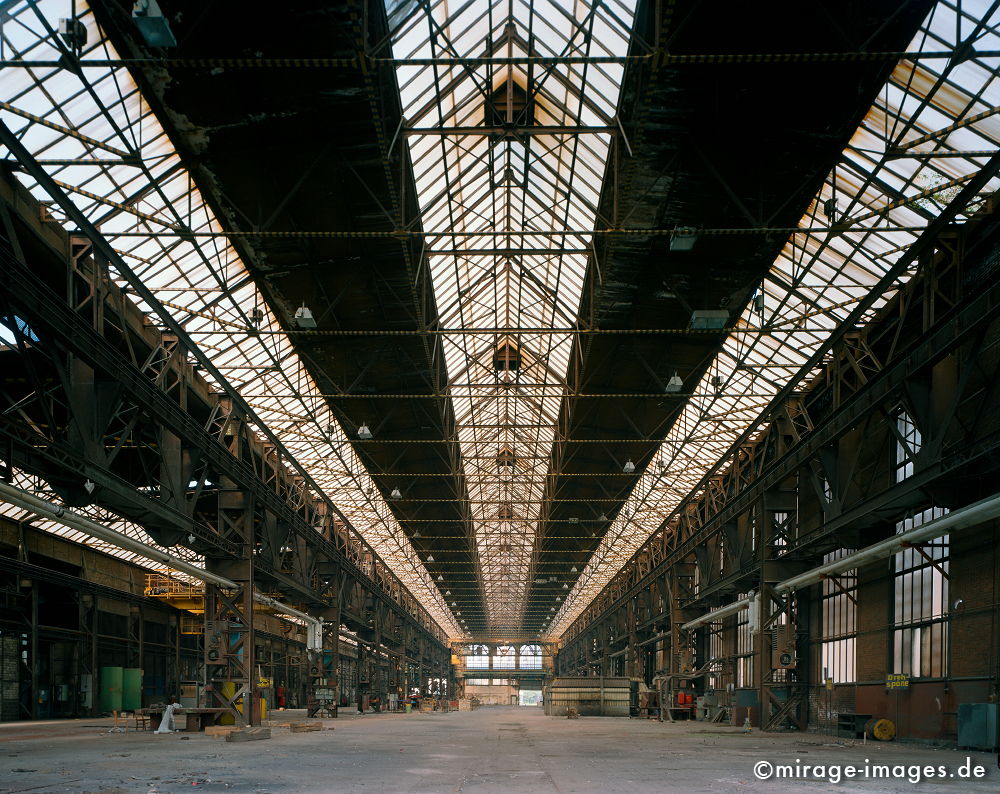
x=499, y=395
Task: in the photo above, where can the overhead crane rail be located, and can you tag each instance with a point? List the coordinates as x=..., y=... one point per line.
x=657, y=58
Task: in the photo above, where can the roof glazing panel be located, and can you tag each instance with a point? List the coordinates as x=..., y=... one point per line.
x=525, y=186
x=931, y=129
x=98, y=117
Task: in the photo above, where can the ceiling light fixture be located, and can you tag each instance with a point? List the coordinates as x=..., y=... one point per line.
x=396, y=494
x=709, y=319
x=364, y=433
x=152, y=24
x=304, y=317
x=675, y=384
x=683, y=239
x=574, y=569
x=430, y=558
x=629, y=467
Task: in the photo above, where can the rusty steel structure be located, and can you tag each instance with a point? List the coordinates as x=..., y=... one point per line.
x=96, y=397
x=498, y=324
x=815, y=481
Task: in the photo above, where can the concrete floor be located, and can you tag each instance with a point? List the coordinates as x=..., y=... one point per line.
x=490, y=750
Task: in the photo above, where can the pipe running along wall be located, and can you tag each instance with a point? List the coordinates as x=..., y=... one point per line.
x=58, y=513
x=976, y=513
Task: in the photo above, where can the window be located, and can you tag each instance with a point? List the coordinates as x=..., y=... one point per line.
x=531, y=657
x=839, y=606
x=744, y=647
x=477, y=682
x=920, y=640
x=505, y=659
x=507, y=357
x=908, y=443
x=715, y=653
x=9, y=336
x=478, y=658
x=780, y=529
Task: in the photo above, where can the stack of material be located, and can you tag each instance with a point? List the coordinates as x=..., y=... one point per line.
x=572, y=714
x=468, y=704
x=590, y=696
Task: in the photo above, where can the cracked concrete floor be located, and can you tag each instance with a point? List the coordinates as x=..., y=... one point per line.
x=490, y=750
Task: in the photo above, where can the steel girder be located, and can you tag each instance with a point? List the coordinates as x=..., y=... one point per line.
x=291, y=522
x=809, y=456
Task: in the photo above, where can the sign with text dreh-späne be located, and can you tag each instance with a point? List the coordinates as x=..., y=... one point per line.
x=897, y=681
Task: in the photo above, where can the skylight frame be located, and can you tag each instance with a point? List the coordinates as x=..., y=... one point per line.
x=286, y=398
x=850, y=263
x=555, y=187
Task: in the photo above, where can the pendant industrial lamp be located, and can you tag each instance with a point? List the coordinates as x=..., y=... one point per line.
x=675, y=384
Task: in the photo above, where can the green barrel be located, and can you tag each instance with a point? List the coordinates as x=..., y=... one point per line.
x=111, y=689
x=131, y=689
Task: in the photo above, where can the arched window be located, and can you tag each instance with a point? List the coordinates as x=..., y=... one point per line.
x=531, y=657
x=478, y=658
x=505, y=658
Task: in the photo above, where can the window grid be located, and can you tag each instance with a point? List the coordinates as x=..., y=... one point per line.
x=908, y=444
x=744, y=647
x=505, y=658
x=920, y=587
x=531, y=657
x=478, y=658
x=716, y=653
x=839, y=607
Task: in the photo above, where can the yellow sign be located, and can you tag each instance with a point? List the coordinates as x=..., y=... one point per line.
x=264, y=683
x=897, y=681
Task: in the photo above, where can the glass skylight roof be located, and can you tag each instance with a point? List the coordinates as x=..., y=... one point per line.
x=932, y=128
x=499, y=201
x=524, y=186
x=40, y=489
x=97, y=118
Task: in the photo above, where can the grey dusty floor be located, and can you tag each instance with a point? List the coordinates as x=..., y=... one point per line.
x=489, y=750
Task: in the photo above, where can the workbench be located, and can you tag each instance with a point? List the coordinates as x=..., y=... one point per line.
x=196, y=719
